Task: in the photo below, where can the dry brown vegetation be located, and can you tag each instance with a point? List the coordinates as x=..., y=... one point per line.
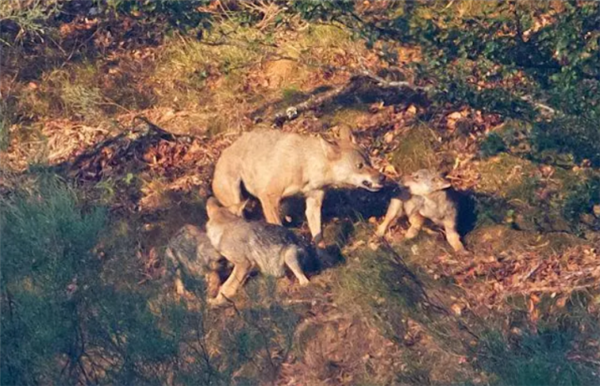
x=390, y=312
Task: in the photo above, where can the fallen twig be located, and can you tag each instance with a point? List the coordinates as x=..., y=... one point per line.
x=312, y=103
x=550, y=289
x=119, y=145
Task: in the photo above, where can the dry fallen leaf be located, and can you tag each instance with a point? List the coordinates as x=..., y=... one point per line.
x=456, y=308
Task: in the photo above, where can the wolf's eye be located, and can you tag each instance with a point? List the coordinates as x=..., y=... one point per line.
x=359, y=165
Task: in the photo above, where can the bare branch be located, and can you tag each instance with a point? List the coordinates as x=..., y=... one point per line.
x=540, y=106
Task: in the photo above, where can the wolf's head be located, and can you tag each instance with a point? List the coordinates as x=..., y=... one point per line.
x=424, y=182
x=350, y=165
x=218, y=213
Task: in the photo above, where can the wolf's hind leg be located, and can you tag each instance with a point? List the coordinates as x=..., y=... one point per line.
x=291, y=260
x=233, y=283
x=212, y=283
x=179, y=287
x=416, y=223
x=453, y=237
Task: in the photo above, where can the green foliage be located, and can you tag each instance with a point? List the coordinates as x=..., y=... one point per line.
x=5, y=123
x=45, y=249
x=320, y=10
x=19, y=18
x=380, y=283
x=60, y=321
x=496, y=56
x=492, y=145
x=69, y=318
x=179, y=14
x=533, y=359
x=577, y=136
x=580, y=199
x=552, y=62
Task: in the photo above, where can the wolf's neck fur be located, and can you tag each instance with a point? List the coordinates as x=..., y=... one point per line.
x=215, y=226
x=318, y=168
x=434, y=196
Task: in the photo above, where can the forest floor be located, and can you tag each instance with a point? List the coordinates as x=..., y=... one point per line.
x=522, y=306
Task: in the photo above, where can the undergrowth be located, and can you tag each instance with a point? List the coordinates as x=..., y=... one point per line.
x=68, y=317
x=540, y=358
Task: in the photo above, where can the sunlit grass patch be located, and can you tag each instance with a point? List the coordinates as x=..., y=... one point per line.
x=6, y=121
x=185, y=64
x=71, y=92
x=416, y=150
x=317, y=40
x=507, y=176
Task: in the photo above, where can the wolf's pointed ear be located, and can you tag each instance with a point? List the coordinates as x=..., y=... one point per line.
x=212, y=205
x=346, y=135
x=331, y=150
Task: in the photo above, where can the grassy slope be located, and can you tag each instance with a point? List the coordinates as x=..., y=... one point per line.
x=403, y=313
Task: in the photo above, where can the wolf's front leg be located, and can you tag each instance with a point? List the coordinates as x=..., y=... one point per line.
x=270, y=206
x=314, y=201
x=453, y=237
x=394, y=211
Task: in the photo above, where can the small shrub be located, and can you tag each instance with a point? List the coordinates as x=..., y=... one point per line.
x=61, y=322
x=68, y=92
x=182, y=15
x=45, y=252
x=21, y=18
x=576, y=136
x=580, y=200
x=317, y=10
x=492, y=145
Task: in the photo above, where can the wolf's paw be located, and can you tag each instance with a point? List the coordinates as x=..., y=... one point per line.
x=380, y=232
x=411, y=234
x=462, y=252
x=375, y=241
x=219, y=301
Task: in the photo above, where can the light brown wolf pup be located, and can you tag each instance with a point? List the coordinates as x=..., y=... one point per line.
x=250, y=244
x=272, y=165
x=428, y=200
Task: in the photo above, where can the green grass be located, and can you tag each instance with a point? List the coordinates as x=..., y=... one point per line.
x=533, y=359
x=415, y=151
x=71, y=315
x=30, y=16
x=77, y=91
x=5, y=123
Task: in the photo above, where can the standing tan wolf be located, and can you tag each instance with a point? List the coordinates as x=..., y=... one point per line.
x=250, y=244
x=273, y=165
x=428, y=199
